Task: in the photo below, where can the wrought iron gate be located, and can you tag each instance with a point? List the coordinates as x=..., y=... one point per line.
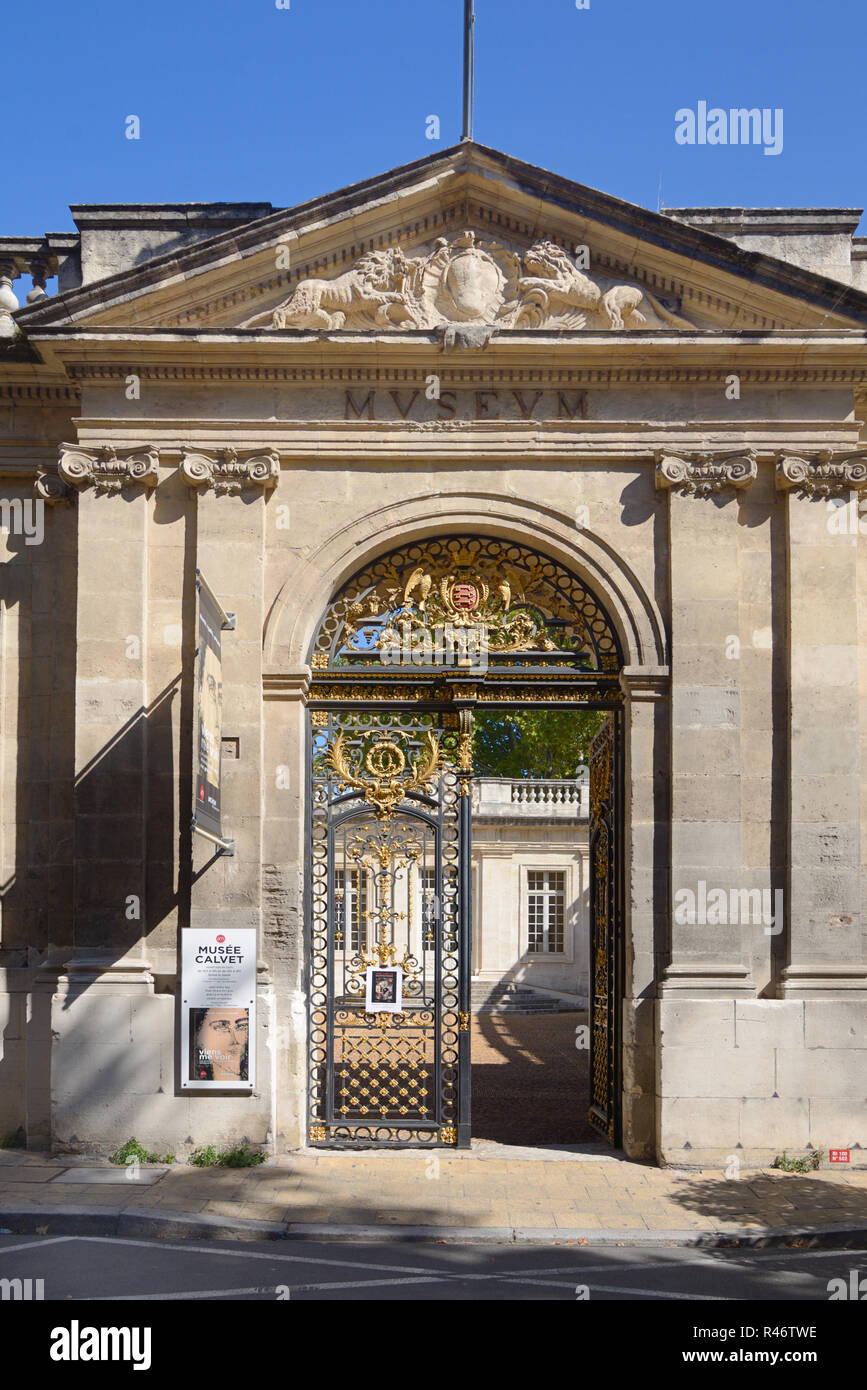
x=604, y=1112
x=389, y=965
x=403, y=654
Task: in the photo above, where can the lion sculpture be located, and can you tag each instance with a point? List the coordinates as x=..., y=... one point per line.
x=555, y=293
x=375, y=286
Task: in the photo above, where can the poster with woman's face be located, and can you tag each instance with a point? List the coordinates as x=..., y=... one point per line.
x=218, y=1009
x=219, y=1044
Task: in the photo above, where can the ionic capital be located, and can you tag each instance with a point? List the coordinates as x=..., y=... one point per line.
x=822, y=475
x=105, y=471
x=225, y=472
x=51, y=488
x=702, y=474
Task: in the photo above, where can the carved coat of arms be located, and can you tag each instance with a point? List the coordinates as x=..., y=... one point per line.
x=465, y=281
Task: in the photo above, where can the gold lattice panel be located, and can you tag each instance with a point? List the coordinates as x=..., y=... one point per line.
x=384, y=1073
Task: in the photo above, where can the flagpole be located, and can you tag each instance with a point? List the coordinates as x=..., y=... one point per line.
x=469, y=67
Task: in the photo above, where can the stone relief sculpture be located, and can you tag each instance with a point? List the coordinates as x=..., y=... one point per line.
x=465, y=281
x=376, y=286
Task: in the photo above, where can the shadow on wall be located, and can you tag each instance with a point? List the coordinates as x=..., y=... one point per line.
x=121, y=870
x=102, y=857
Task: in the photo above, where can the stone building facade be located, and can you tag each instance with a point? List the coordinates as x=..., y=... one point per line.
x=664, y=410
x=530, y=888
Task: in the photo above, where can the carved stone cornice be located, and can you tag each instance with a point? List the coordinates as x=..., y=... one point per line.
x=105, y=471
x=225, y=472
x=51, y=488
x=822, y=474
x=702, y=474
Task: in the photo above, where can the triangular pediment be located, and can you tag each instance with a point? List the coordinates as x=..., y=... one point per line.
x=467, y=240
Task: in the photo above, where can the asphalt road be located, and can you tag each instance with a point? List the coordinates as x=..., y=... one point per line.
x=76, y=1268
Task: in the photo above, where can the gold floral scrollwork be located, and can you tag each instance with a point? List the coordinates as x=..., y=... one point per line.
x=317, y=1134
x=465, y=1021
x=449, y=1135
x=384, y=1021
x=465, y=752
x=600, y=783
x=385, y=762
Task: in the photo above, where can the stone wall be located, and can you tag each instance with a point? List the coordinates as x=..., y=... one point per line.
x=742, y=760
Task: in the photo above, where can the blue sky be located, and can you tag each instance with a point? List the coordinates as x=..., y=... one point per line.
x=241, y=101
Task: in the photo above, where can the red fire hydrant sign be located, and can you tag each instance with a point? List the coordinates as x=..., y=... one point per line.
x=839, y=1156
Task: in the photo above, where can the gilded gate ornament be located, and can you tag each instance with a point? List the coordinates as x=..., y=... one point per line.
x=385, y=761
x=462, y=601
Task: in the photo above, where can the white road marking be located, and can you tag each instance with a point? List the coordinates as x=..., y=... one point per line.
x=33, y=1244
x=251, y=1254
x=294, y=1289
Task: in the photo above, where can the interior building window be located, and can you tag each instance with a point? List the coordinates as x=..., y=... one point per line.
x=546, y=910
x=428, y=878
x=350, y=889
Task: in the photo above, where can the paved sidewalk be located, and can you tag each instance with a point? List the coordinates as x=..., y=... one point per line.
x=491, y=1193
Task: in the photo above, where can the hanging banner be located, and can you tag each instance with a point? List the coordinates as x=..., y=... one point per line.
x=218, y=1009
x=210, y=621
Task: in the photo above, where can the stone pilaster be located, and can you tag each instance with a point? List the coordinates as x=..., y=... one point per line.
x=708, y=950
x=111, y=716
x=283, y=857
x=824, y=942
x=646, y=796
x=230, y=553
x=226, y=891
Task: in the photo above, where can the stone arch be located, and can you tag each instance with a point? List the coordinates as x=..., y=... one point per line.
x=297, y=609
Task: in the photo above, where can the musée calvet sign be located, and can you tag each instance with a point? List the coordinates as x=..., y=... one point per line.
x=218, y=1009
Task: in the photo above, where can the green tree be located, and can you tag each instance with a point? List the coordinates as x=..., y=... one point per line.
x=533, y=743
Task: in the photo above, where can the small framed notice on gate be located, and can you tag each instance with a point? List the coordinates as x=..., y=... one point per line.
x=218, y=1010
x=384, y=989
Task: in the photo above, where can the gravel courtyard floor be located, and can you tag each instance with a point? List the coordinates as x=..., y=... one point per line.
x=530, y=1083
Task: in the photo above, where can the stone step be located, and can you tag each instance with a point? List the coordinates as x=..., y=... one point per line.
x=512, y=998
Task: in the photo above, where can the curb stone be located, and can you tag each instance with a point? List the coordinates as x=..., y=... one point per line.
x=143, y=1223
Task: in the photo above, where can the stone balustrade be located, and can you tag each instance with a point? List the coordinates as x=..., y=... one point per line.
x=531, y=798
x=38, y=257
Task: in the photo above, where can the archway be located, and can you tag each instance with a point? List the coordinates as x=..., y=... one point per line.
x=407, y=650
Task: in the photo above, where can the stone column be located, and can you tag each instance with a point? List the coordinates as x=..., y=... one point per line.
x=824, y=943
